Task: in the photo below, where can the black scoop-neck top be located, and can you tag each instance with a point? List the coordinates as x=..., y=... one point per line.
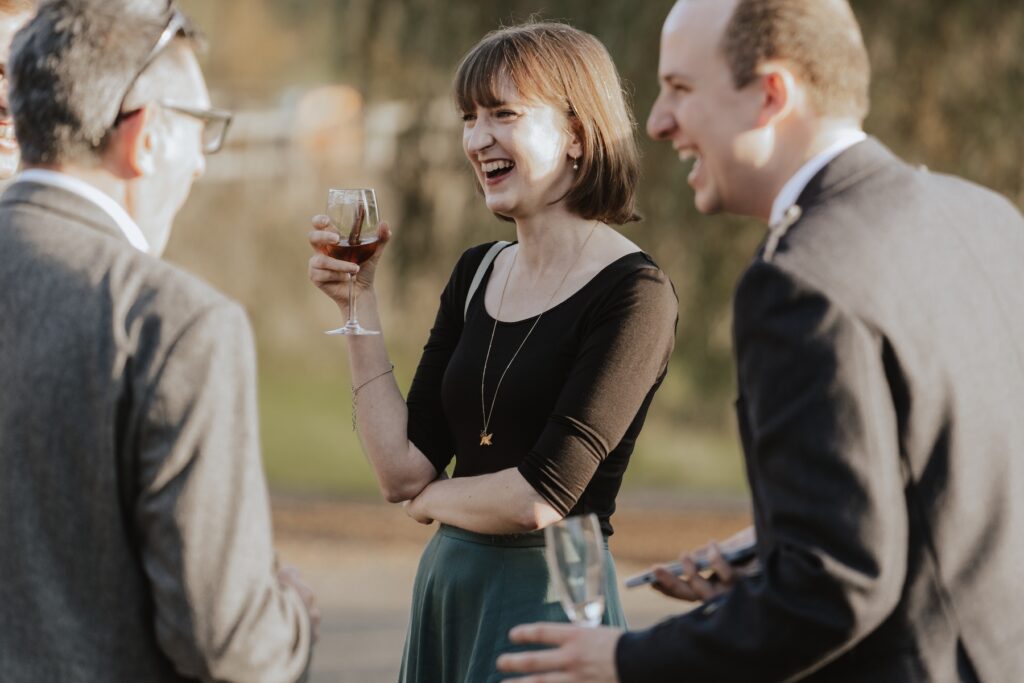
x=571, y=405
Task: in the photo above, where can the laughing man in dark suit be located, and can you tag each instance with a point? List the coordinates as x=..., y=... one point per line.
x=135, y=539
x=879, y=342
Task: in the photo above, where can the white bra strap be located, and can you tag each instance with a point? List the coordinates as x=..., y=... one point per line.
x=489, y=257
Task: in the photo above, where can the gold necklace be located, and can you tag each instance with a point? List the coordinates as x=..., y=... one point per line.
x=486, y=438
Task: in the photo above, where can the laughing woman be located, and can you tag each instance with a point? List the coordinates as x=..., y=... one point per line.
x=543, y=359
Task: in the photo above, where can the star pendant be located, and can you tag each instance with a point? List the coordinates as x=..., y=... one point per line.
x=485, y=439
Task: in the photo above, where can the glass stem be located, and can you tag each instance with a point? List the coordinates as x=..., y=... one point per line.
x=352, y=321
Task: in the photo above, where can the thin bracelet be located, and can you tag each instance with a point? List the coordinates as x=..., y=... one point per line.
x=355, y=391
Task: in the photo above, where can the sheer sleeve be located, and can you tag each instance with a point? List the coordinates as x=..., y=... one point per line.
x=621, y=359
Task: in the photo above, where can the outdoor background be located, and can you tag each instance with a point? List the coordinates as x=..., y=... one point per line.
x=348, y=93
x=948, y=92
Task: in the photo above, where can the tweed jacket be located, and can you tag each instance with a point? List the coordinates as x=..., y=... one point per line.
x=135, y=540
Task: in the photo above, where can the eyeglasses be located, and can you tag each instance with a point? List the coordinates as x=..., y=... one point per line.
x=176, y=25
x=215, y=124
x=215, y=121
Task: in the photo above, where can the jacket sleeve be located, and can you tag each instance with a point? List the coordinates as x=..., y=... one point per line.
x=203, y=516
x=824, y=466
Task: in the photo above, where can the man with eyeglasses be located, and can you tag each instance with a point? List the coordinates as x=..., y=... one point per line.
x=135, y=540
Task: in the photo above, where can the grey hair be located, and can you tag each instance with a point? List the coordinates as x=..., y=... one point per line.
x=69, y=69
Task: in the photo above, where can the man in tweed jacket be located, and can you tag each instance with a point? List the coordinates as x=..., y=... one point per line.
x=135, y=540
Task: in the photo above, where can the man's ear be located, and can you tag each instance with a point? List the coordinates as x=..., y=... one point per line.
x=779, y=93
x=130, y=152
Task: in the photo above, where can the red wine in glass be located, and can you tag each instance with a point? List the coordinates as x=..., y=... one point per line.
x=353, y=253
x=354, y=217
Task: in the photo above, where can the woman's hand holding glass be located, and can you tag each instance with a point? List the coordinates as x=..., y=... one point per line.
x=332, y=275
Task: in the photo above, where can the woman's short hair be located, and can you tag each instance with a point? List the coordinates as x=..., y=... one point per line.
x=562, y=66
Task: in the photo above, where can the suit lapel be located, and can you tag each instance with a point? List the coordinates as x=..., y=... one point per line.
x=854, y=164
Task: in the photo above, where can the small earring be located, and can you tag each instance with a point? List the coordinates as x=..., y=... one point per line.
x=576, y=164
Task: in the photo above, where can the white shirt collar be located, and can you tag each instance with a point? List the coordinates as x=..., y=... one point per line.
x=795, y=185
x=90, y=193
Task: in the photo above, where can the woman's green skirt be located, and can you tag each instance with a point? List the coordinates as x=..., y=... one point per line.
x=470, y=590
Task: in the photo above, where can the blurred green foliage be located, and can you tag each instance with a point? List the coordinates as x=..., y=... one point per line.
x=948, y=92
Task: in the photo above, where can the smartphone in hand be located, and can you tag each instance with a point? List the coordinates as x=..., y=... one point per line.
x=735, y=556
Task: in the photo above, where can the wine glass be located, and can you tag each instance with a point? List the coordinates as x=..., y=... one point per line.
x=354, y=217
x=574, y=548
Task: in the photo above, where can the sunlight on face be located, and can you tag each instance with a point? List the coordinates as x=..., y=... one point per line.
x=177, y=156
x=520, y=153
x=700, y=111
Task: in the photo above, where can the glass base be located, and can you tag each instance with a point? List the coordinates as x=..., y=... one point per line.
x=352, y=328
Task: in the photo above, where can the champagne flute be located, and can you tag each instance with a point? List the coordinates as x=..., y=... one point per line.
x=574, y=548
x=354, y=217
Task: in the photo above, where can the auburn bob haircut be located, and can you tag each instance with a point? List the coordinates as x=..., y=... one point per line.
x=567, y=68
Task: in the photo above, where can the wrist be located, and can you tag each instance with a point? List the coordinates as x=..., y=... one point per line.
x=424, y=500
x=420, y=501
x=357, y=387
x=358, y=383
x=366, y=298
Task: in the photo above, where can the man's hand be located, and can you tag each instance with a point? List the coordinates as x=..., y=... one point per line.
x=582, y=654
x=694, y=587
x=290, y=576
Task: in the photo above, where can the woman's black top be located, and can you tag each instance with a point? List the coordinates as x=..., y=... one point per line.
x=571, y=405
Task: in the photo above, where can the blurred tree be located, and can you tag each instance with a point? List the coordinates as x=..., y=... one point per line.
x=948, y=92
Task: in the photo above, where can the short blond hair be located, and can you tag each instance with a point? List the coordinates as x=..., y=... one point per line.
x=568, y=68
x=820, y=38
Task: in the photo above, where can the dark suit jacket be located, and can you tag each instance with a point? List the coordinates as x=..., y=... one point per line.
x=135, y=538
x=880, y=357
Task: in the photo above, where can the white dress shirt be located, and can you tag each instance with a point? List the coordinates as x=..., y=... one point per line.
x=794, y=186
x=88, y=192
